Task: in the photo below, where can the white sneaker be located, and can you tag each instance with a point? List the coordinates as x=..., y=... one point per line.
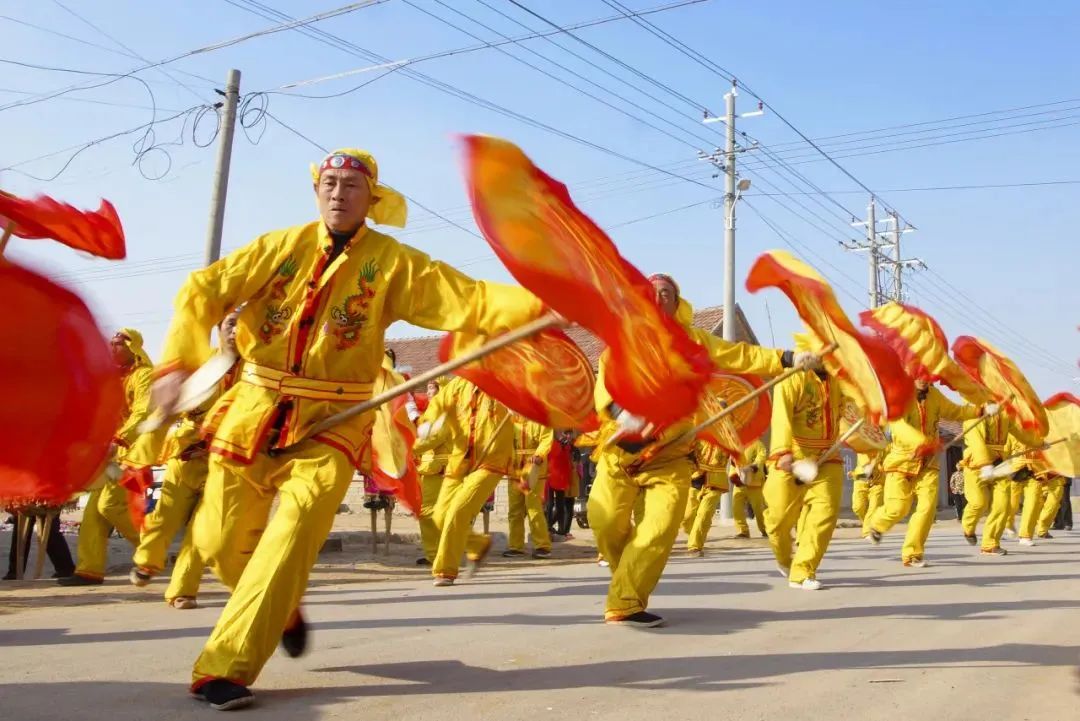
x=1009, y=533
x=442, y=581
x=1027, y=542
x=695, y=553
x=916, y=563
x=810, y=584
x=784, y=571
x=602, y=563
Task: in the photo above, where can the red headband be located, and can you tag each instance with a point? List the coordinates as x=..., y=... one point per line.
x=347, y=162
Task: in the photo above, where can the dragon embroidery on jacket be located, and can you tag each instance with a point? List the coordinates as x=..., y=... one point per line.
x=349, y=317
x=278, y=315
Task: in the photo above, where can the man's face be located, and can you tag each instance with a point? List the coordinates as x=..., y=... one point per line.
x=666, y=297
x=344, y=199
x=121, y=354
x=432, y=389
x=921, y=384
x=227, y=330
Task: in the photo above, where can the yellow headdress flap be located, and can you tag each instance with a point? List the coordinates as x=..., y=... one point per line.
x=388, y=206
x=135, y=345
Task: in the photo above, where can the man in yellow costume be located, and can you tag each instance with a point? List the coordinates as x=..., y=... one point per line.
x=532, y=443
x=186, y=465
x=711, y=461
x=749, y=479
x=1042, y=488
x=911, y=469
x=431, y=466
x=984, y=447
x=319, y=298
x=637, y=553
x=107, y=505
x=806, y=415
x=481, y=451
x=867, y=488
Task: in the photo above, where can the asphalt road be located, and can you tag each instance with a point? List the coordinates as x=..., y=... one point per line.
x=992, y=639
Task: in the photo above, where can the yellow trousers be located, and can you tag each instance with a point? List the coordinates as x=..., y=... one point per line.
x=106, y=508
x=430, y=485
x=813, y=508
x=180, y=492
x=264, y=561
x=900, y=492
x=521, y=505
x=699, y=515
x=755, y=496
x=979, y=498
x=1016, y=493
x=860, y=498
x=1000, y=499
x=1034, y=497
x=639, y=508
x=1055, y=493
x=460, y=499
x=638, y=552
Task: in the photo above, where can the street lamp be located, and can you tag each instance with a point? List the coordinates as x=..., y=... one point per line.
x=743, y=185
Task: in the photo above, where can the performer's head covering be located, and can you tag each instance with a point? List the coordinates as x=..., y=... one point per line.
x=684, y=312
x=133, y=339
x=388, y=206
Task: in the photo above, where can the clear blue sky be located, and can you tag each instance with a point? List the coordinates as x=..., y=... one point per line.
x=1003, y=261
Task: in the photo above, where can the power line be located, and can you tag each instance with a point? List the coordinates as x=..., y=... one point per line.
x=982, y=186
x=101, y=32
x=791, y=241
x=699, y=107
x=554, y=77
x=348, y=46
x=396, y=64
x=594, y=65
x=292, y=24
x=727, y=75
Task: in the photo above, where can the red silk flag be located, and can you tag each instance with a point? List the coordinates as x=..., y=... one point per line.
x=1063, y=414
x=545, y=377
x=96, y=232
x=393, y=465
x=1004, y=380
x=63, y=397
x=867, y=369
x=922, y=346
x=656, y=370
x=737, y=430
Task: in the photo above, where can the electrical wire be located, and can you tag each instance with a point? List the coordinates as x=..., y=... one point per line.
x=292, y=24
x=561, y=80
x=347, y=46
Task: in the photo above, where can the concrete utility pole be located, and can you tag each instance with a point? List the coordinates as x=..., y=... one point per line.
x=884, y=286
x=871, y=247
x=733, y=188
x=729, y=218
x=224, y=158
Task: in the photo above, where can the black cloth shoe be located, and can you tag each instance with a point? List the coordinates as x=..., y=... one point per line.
x=542, y=553
x=422, y=562
x=513, y=553
x=971, y=540
x=294, y=639
x=641, y=619
x=1045, y=535
x=77, y=580
x=224, y=695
